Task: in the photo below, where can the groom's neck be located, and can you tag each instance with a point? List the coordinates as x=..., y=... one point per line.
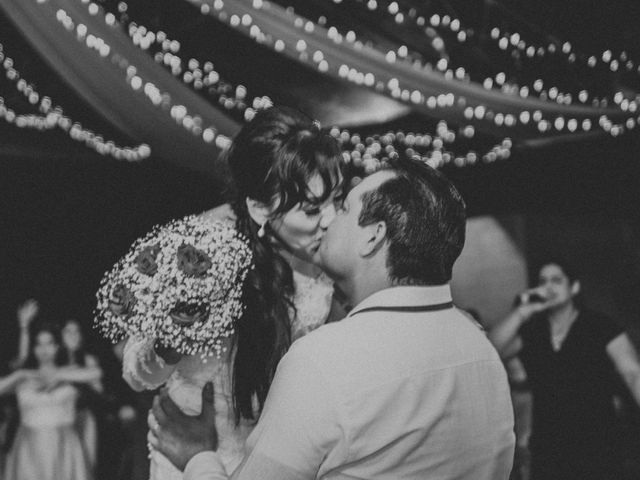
x=363, y=285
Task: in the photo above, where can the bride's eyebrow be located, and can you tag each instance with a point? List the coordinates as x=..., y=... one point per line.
x=310, y=203
x=312, y=199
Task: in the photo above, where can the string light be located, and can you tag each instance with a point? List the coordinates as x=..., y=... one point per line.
x=193, y=123
x=52, y=116
x=310, y=47
x=533, y=50
x=369, y=79
x=505, y=41
x=373, y=152
x=423, y=23
x=427, y=147
x=344, y=70
x=510, y=42
x=198, y=75
x=415, y=96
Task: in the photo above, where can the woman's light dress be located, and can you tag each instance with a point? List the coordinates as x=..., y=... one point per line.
x=47, y=445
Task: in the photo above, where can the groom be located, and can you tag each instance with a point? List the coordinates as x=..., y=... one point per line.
x=405, y=387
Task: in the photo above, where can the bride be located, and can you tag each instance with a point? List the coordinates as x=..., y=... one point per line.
x=287, y=175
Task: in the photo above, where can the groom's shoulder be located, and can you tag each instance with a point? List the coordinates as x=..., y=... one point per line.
x=326, y=339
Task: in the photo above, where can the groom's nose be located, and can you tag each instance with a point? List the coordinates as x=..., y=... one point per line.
x=328, y=215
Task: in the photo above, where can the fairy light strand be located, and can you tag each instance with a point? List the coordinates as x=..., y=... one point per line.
x=516, y=44
x=52, y=116
x=169, y=55
x=180, y=114
x=416, y=97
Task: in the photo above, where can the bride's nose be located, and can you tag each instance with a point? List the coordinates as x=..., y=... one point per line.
x=328, y=214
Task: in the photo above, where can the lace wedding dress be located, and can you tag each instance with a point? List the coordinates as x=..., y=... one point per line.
x=143, y=369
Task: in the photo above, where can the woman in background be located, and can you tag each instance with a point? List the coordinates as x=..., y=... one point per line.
x=72, y=353
x=8, y=384
x=47, y=445
x=572, y=356
x=13, y=375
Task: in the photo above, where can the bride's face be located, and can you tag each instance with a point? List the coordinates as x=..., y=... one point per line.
x=303, y=227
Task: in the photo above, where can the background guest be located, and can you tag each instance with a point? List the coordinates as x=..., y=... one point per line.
x=47, y=445
x=571, y=356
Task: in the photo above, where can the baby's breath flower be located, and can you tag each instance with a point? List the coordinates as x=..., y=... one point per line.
x=181, y=285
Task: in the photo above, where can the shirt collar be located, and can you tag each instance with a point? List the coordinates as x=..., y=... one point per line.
x=404, y=296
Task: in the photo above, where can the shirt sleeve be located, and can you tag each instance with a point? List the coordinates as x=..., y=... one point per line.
x=298, y=429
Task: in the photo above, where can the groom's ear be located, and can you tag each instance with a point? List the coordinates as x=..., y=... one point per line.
x=258, y=211
x=373, y=237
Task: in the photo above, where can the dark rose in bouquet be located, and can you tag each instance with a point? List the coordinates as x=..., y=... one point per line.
x=193, y=262
x=121, y=300
x=188, y=313
x=146, y=260
x=180, y=286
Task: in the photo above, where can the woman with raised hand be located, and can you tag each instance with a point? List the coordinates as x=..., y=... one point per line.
x=47, y=445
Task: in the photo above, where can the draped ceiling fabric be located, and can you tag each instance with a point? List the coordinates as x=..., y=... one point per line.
x=104, y=84
x=102, y=81
x=280, y=24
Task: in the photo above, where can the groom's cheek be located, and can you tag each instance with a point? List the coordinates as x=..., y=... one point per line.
x=324, y=248
x=317, y=257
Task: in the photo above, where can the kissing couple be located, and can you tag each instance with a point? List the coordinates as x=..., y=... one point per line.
x=403, y=386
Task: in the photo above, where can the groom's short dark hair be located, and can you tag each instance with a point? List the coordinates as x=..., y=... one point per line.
x=425, y=219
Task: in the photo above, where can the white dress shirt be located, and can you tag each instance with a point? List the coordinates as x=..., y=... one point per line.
x=383, y=394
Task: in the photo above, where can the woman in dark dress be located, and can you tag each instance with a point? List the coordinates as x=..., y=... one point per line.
x=572, y=357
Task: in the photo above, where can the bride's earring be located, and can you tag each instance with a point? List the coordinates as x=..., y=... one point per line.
x=261, y=232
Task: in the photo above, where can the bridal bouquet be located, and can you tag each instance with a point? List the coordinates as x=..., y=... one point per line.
x=180, y=285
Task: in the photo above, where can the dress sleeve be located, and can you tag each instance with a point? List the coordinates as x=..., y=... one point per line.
x=142, y=368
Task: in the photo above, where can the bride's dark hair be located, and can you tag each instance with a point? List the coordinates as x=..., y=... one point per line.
x=272, y=160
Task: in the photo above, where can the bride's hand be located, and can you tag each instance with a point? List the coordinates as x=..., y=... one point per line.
x=180, y=436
